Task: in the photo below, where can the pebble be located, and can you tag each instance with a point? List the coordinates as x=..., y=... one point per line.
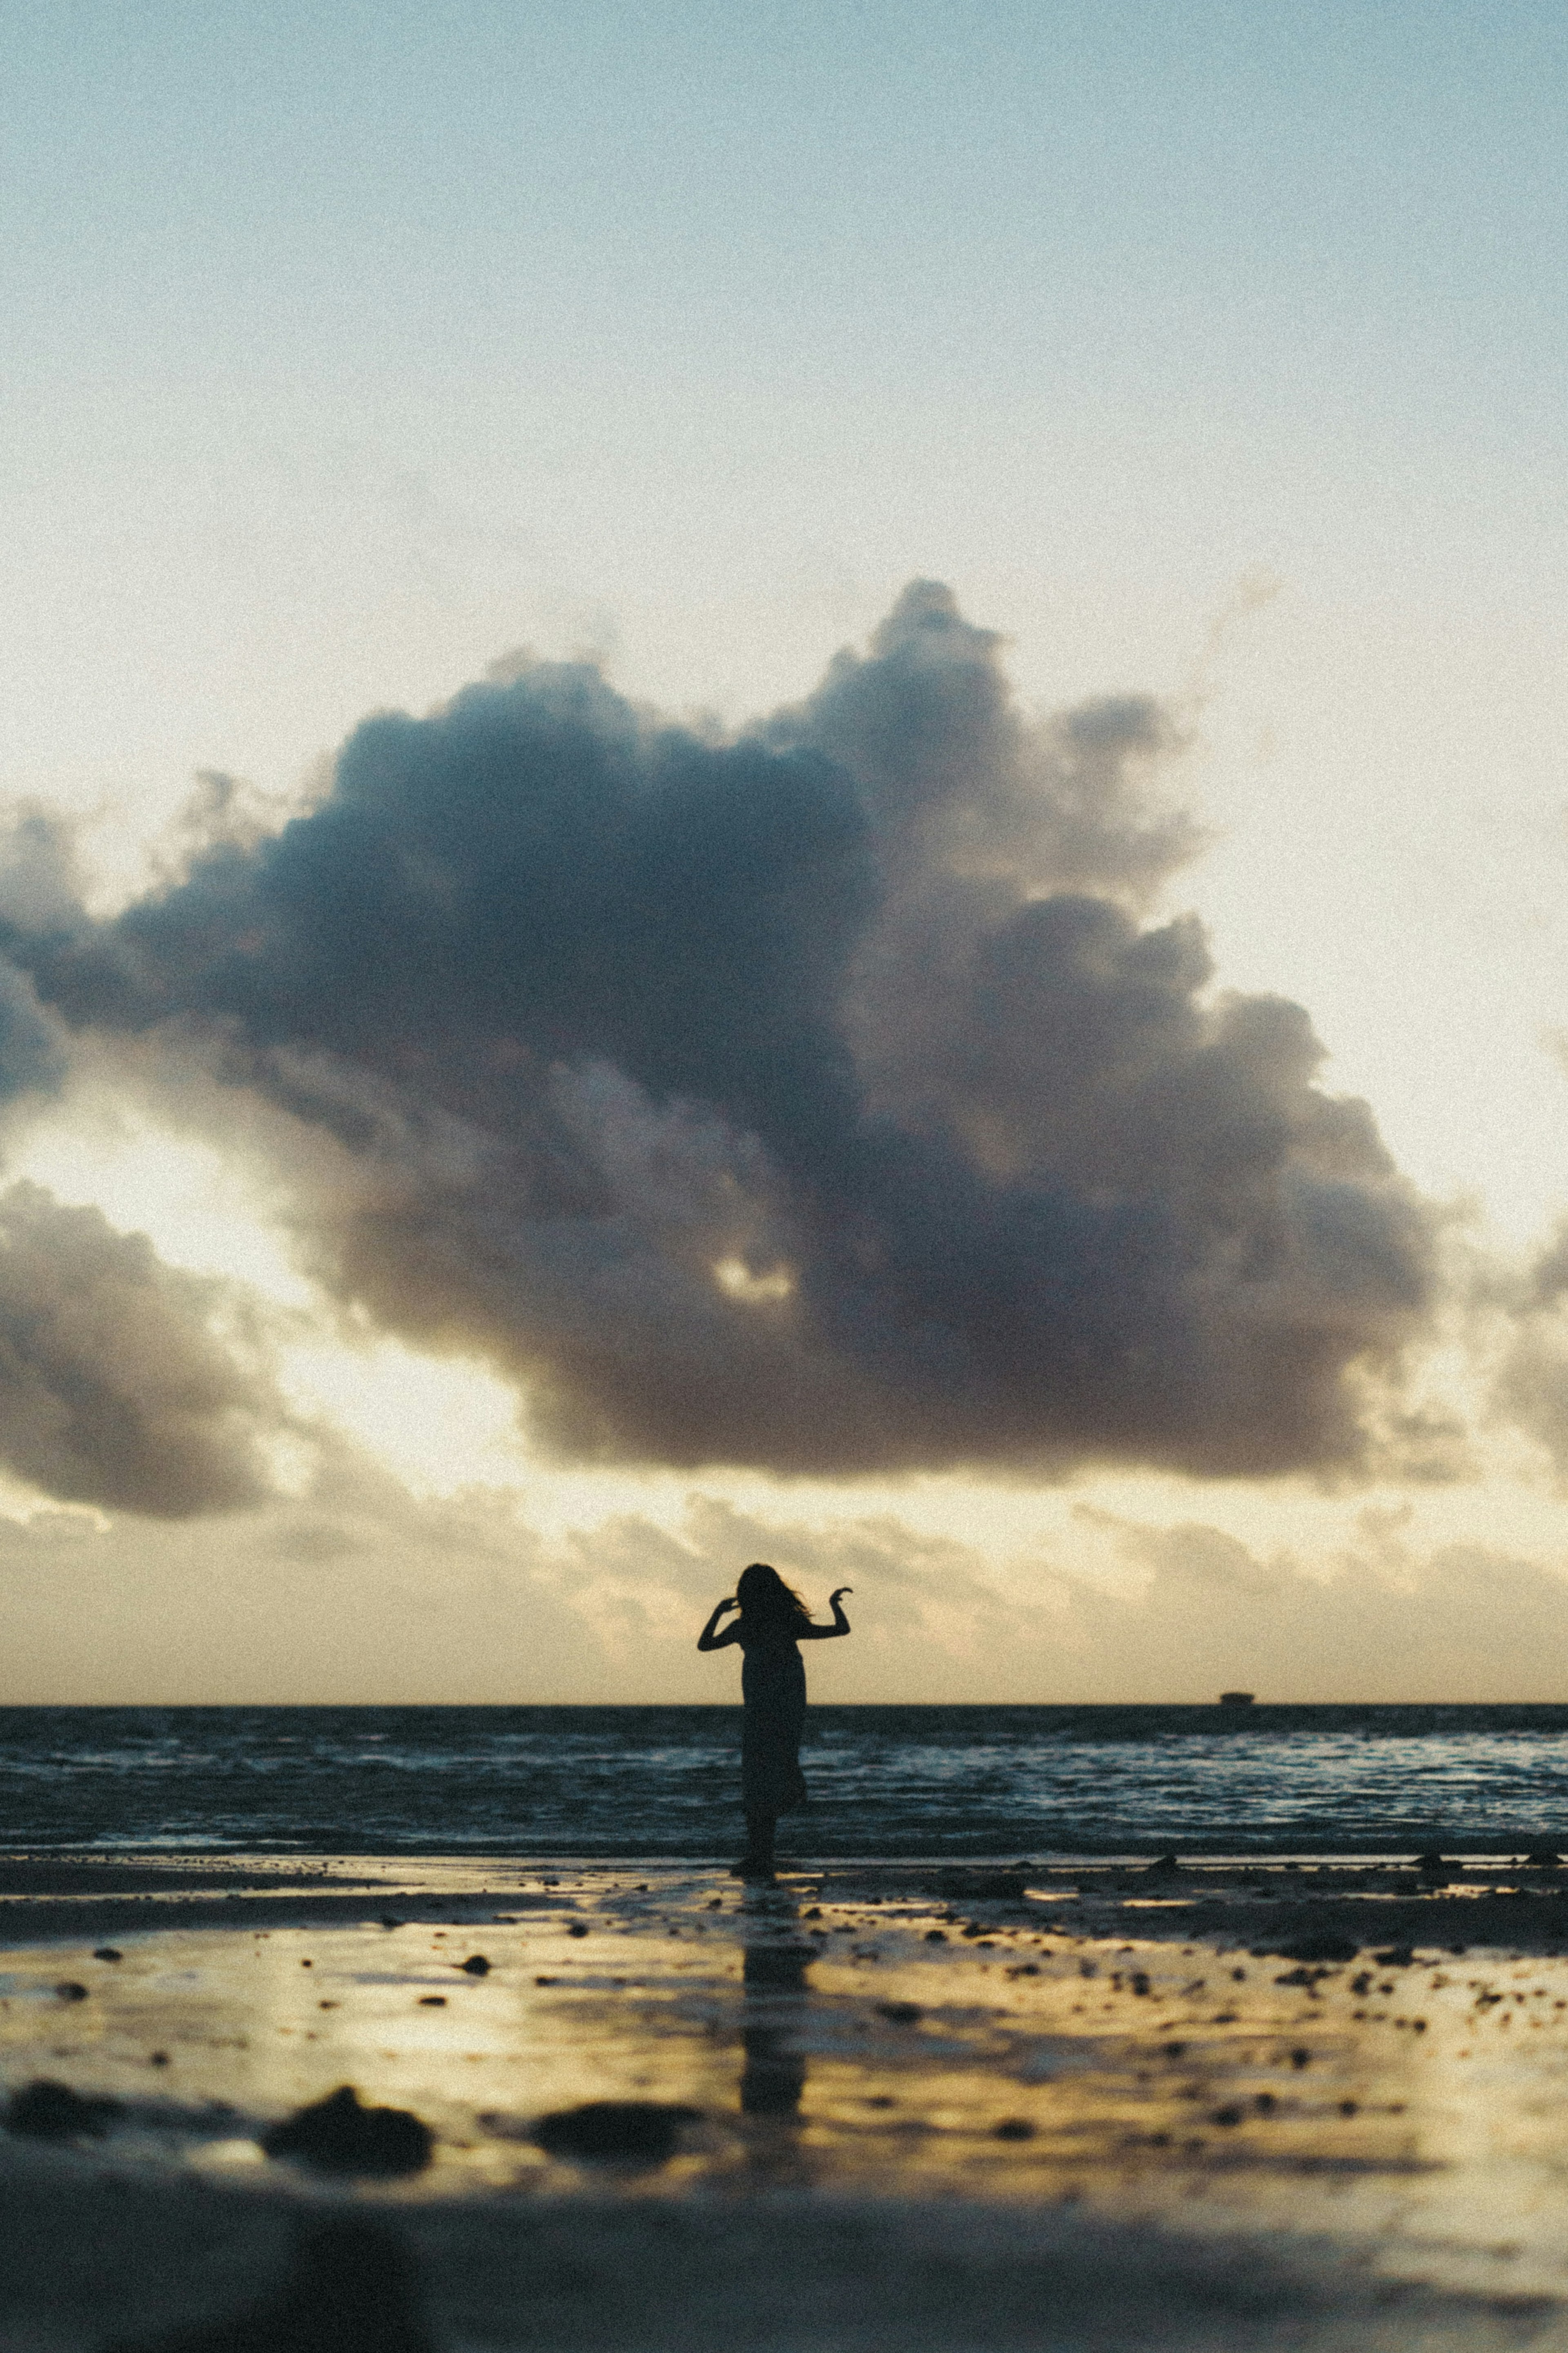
x=340, y=2136
x=1325, y=1947
x=43, y=2110
x=643, y=2132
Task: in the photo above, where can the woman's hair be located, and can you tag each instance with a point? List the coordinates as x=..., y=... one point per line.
x=764, y=1595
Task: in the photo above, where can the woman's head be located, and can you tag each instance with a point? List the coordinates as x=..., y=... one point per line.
x=763, y=1594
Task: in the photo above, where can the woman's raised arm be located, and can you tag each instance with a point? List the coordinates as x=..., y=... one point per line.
x=840, y=1623
x=709, y=1639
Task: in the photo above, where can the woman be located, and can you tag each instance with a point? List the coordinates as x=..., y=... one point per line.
x=773, y=1620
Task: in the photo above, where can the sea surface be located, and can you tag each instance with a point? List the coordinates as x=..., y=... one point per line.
x=622, y=1782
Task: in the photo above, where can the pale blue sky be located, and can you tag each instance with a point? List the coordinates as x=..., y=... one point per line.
x=349, y=346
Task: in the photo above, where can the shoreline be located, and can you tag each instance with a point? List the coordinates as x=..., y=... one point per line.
x=1492, y=1902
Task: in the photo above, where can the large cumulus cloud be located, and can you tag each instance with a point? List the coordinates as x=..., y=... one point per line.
x=823, y=1098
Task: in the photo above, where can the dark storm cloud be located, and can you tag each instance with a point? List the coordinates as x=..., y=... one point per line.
x=821, y=1099
x=113, y=1391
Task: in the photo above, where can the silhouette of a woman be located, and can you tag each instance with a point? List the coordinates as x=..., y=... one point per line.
x=773, y=1620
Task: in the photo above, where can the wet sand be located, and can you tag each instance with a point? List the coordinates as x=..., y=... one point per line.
x=1100, y=2106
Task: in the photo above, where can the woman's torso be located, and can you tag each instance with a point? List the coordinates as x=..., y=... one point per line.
x=772, y=1659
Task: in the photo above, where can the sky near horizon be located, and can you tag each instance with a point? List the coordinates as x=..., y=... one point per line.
x=855, y=1118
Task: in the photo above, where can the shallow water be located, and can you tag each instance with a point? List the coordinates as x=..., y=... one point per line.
x=892, y=1781
x=825, y=2042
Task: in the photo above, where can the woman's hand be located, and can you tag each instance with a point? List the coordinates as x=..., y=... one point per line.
x=842, y=1590
x=711, y=1638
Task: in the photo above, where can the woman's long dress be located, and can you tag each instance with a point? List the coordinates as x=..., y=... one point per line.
x=772, y=1686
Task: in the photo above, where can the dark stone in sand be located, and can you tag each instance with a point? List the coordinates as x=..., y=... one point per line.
x=983, y=1886
x=340, y=2136
x=476, y=1965
x=1431, y=1862
x=432, y=2001
x=577, y=1928
x=106, y=1953
x=1013, y=2128
x=1166, y=1867
x=43, y=2110
x=351, y=2288
x=68, y=1990
x=1395, y=1957
x=639, y=2132
x=900, y=2014
x=1324, y=1947
x=389, y=1920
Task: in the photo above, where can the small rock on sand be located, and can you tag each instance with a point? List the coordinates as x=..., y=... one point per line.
x=982, y=1886
x=43, y=2110
x=476, y=1965
x=1324, y=1947
x=340, y=2136
x=639, y=2132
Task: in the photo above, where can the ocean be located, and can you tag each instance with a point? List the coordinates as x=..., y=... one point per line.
x=619, y=1783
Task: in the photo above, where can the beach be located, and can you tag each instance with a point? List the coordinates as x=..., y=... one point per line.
x=1120, y=2103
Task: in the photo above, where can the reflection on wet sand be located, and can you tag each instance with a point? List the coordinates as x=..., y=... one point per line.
x=773, y=2036
x=1035, y=2068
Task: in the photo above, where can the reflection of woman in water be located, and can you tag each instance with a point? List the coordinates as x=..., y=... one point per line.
x=772, y=1620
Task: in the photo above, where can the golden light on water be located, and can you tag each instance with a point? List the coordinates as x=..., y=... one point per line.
x=864, y=2043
